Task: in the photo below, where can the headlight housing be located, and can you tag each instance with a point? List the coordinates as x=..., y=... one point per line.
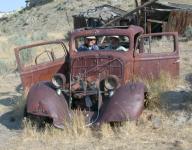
x=59, y=80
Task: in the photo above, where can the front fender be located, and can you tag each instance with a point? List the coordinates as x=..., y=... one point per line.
x=42, y=100
x=127, y=103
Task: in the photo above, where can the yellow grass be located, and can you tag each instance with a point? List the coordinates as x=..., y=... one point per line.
x=133, y=135
x=158, y=87
x=139, y=134
x=129, y=136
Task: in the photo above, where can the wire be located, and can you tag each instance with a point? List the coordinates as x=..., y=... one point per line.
x=98, y=107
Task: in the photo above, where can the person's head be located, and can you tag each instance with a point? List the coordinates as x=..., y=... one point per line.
x=90, y=40
x=114, y=40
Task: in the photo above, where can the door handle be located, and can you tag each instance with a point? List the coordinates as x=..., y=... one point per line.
x=177, y=61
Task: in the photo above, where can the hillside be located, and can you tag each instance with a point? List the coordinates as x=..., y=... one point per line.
x=55, y=16
x=46, y=22
x=43, y=22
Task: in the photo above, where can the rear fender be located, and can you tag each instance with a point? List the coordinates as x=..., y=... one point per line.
x=127, y=103
x=43, y=100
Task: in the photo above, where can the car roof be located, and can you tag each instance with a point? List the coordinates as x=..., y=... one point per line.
x=118, y=30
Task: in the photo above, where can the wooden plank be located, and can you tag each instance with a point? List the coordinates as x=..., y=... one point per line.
x=148, y=27
x=155, y=21
x=179, y=21
x=130, y=13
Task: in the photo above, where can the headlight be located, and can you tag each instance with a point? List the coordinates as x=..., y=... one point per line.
x=111, y=82
x=59, y=80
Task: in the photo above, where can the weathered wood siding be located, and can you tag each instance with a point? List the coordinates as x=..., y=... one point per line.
x=179, y=21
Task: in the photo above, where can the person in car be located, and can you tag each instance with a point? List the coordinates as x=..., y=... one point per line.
x=115, y=44
x=89, y=44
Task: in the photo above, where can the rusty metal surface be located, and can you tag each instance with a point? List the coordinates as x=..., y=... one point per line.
x=42, y=100
x=103, y=65
x=30, y=77
x=150, y=65
x=88, y=70
x=126, y=104
x=33, y=74
x=130, y=32
x=18, y=49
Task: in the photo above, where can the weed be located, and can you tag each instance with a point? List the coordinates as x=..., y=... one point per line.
x=4, y=67
x=188, y=33
x=157, y=87
x=25, y=54
x=19, y=106
x=37, y=36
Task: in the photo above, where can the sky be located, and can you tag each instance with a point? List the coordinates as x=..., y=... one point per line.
x=10, y=5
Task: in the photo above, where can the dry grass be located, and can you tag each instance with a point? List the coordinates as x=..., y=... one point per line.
x=165, y=83
x=8, y=43
x=129, y=136
x=132, y=135
x=186, y=61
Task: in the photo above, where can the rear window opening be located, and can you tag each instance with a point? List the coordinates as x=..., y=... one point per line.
x=156, y=44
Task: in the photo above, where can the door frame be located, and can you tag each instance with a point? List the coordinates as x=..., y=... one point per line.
x=155, y=62
x=29, y=74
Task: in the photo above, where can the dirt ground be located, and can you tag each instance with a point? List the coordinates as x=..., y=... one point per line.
x=169, y=128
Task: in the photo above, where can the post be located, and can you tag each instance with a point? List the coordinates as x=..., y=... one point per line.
x=130, y=13
x=148, y=27
x=145, y=24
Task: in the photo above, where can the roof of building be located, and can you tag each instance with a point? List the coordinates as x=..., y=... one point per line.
x=176, y=4
x=178, y=1
x=104, y=11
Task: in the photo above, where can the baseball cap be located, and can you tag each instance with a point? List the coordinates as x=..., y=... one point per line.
x=115, y=36
x=90, y=37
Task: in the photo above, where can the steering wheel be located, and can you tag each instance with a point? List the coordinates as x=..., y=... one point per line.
x=50, y=55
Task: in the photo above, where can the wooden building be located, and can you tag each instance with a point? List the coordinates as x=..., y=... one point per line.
x=167, y=16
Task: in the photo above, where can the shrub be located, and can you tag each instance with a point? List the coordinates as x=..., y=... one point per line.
x=157, y=87
x=20, y=40
x=188, y=33
x=37, y=36
x=4, y=68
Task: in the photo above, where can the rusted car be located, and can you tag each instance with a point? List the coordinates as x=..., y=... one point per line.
x=102, y=83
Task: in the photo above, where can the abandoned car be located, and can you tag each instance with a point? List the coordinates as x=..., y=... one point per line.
x=101, y=82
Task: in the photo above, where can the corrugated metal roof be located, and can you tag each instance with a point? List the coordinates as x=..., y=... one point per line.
x=189, y=2
x=175, y=4
x=104, y=10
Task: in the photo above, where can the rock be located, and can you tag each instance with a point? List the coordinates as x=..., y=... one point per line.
x=177, y=144
x=189, y=121
x=181, y=119
x=156, y=122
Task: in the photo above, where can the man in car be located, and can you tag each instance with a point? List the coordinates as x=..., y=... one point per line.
x=89, y=44
x=115, y=45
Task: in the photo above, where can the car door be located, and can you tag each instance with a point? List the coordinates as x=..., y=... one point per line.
x=41, y=61
x=156, y=53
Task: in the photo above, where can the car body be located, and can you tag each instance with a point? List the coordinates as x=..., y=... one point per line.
x=103, y=82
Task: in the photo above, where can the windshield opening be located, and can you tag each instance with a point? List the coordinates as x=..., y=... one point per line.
x=95, y=43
